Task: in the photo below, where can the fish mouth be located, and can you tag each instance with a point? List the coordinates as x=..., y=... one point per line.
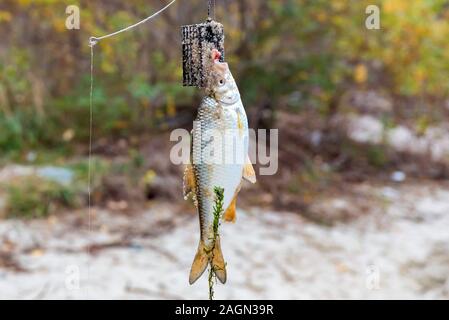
x=216, y=55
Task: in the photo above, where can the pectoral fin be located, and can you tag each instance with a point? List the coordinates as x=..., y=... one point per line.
x=248, y=171
x=189, y=184
x=189, y=181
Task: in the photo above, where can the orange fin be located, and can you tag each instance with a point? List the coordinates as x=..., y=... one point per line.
x=203, y=258
x=248, y=171
x=189, y=182
x=199, y=263
x=218, y=263
x=229, y=214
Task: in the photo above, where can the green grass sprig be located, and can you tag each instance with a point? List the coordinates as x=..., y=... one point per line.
x=218, y=213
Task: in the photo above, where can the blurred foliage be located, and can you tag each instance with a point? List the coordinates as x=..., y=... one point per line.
x=34, y=197
x=307, y=183
x=294, y=54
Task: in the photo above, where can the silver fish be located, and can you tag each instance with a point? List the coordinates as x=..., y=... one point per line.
x=222, y=116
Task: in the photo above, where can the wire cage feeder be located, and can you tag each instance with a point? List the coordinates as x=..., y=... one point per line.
x=197, y=42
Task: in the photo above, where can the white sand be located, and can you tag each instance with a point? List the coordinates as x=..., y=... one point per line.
x=399, y=250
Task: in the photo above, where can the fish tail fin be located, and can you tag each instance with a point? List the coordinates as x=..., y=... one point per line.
x=218, y=263
x=199, y=264
x=203, y=258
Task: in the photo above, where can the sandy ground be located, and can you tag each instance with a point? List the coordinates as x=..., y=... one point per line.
x=399, y=248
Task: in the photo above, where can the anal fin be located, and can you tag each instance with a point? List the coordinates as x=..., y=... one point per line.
x=229, y=214
x=248, y=171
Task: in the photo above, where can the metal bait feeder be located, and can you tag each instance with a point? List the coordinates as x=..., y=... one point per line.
x=197, y=42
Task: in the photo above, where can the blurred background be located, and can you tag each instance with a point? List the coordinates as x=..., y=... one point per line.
x=359, y=207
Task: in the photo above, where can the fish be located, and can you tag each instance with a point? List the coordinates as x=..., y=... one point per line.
x=221, y=111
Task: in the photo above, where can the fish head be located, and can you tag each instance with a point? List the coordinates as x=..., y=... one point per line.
x=221, y=84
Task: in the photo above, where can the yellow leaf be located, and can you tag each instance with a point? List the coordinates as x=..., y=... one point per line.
x=149, y=177
x=321, y=16
x=37, y=252
x=171, y=106
x=360, y=73
x=68, y=135
x=5, y=16
x=395, y=6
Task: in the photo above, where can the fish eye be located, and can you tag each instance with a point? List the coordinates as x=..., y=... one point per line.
x=221, y=82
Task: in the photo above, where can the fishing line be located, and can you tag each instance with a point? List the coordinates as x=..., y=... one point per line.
x=211, y=8
x=90, y=134
x=92, y=42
